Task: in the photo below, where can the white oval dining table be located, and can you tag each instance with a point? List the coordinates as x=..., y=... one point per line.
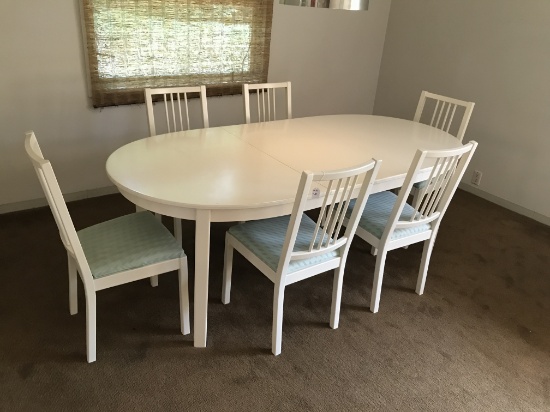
x=251, y=171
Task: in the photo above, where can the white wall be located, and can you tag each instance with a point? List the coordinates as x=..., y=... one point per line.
x=495, y=53
x=332, y=58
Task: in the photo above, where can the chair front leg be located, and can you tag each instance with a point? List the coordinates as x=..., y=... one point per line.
x=90, y=326
x=423, y=273
x=73, y=285
x=227, y=271
x=185, y=324
x=277, y=328
x=377, y=283
x=336, y=296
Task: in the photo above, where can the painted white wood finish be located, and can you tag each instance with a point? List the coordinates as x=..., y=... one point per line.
x=251, y=171
x=265, y=101
x=325, y=238
x=434, y=198
x=78, y=264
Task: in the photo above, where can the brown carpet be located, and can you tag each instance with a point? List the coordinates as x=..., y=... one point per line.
x=477, y=340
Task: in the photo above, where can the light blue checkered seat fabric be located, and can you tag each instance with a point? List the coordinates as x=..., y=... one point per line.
x=377, y=212
x=265, y=238
x=127, y=242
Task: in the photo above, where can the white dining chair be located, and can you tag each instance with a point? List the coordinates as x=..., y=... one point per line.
x=175, y=102
x=441, y=112
x=288, y=249
x=388, y=222
x=111, y=253
x=444, y=113
x=264, y=105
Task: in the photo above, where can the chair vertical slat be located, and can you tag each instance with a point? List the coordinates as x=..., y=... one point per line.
x=173, y=112
x=269, y=105
x=444, y=125
x=179, y=110
x=321, y=219
x=420, y=207
x=186, y=110
x=451, y=119
x=440, y=112
x=263, y=104
x=330, y=214
x=434, y=188
x=435, y=112
x=339, y=201
x=346, y=204
x=274, y=105
x=258, y=101
x=453, y=163
x=166, y=110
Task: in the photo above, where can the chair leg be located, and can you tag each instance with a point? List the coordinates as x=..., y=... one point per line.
x=177, y=230
x=91, y=326
x=336, y=296
x=183, y=278
x=377, y=284
x=416, y=197
x=73, y=285
x=227, y=271
x=373, y=251
x=277, y=331
x=423, y=273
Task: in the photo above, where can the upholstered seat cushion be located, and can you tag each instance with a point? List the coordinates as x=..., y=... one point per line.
x=265, y=238
x=377, y=212
x=127, y=242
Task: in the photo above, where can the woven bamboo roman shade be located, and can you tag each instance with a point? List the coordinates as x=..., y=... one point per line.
x=133, y=44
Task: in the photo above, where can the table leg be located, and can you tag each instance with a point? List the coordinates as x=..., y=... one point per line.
x=202, y=256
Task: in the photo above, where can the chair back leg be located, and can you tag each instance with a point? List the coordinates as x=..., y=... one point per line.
x=183, y=278
x=377, y=283
x=277, y=331
x=423, y=273
x=336, y=296
x=227, y=271
x=73, y=285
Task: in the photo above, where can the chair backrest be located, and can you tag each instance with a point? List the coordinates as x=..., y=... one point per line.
x=48, y=181
x=176, y=111
x=340, y=186
x=265, y=102
x=444, y=112
x=448, y=167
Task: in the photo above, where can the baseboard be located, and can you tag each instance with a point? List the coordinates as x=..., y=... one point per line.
x=505, y=203
x=69, y=197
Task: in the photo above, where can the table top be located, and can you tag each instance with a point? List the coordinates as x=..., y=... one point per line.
x=257, y=166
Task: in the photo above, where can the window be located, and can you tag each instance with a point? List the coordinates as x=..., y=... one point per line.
x=133, y=44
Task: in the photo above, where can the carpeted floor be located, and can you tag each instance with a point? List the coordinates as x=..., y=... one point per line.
x=477, y=340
